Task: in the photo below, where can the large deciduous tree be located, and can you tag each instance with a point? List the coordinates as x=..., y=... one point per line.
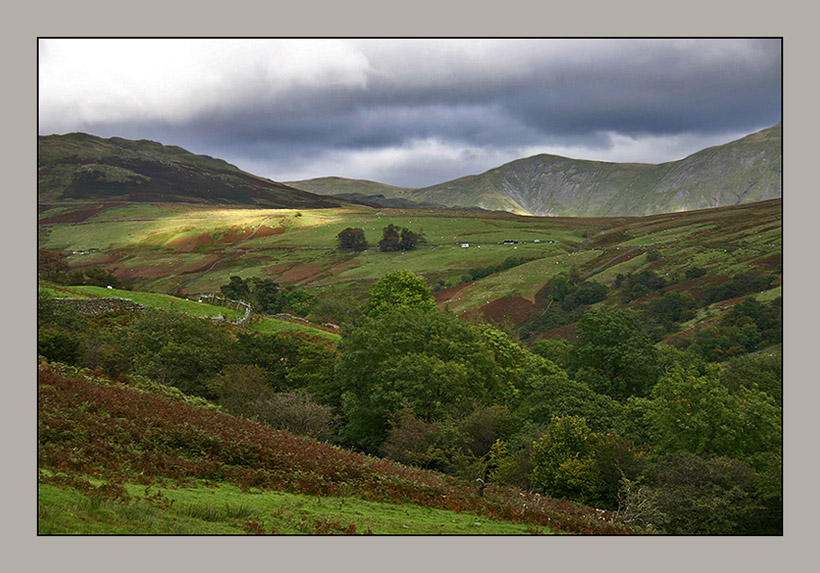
x=399, y=289
x=613, y=356
x=421, y=361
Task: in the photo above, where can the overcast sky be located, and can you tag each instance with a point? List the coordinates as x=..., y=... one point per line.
x=411, y=113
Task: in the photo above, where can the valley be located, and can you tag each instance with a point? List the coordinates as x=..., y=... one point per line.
x=486, y=372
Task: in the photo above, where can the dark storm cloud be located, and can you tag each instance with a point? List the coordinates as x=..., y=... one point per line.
x=430, y=109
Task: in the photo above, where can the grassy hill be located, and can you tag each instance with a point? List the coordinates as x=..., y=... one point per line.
x=81, y=167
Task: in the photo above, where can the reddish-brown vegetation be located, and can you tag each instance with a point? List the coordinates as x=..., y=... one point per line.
x=96, y=429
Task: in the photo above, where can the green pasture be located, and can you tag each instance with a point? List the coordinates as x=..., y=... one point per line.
x=154, y=300
x=524, y=281
x=224, y=509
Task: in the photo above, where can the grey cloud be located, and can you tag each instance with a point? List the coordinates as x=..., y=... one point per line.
x=499, y=95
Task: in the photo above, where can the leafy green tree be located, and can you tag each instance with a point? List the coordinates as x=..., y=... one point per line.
x=399, y=289
x=698, y=414
x=263, y=294
x=555, y=349
x=559, y=287
x=409, y=239
x=673, y=307
x=546, y=392
x=589, y=292
x=563, y=460
x=352, y=239
x=395, y=238
x=416, y=359
x=613, y=356
x=391, y=238
x=237, y=289
x=296, y=300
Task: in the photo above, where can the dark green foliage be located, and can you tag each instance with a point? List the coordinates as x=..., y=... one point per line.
x=296, y=300
x=547, y=392
x=334, y=306
x=694, y=272
x=352, y=239
x=636, y=285
x=749, y=326
x=763, y=372
x=741, y=284
x=555, y=349
x=289, y=362
x=417, y=359
x=395, y=238
x=59, y=273
x=61, y=331
x=267, y=297
x=260, y=293
x=588, y=292
x=673, y=307
x=574, y=300
x=60, y=346
x=613, y=356
x=559, y=287
x=476, y=273
x=176, y=349
x=685, y=494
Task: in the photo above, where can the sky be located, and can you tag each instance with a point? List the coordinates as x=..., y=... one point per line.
x=411, y=112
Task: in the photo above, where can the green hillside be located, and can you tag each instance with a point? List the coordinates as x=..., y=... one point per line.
x=81, y=167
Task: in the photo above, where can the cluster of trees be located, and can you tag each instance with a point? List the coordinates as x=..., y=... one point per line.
x=569, y=300
x=668, y=439
x=266, y=296
x=394, y=238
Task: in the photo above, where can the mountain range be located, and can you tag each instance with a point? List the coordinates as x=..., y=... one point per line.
x=743, y=171
x=78, y=166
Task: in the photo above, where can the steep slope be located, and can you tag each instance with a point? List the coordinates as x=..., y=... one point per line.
x=81, y=167
x=742, y=171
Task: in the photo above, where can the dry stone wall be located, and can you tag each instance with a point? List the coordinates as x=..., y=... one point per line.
x=94, y=306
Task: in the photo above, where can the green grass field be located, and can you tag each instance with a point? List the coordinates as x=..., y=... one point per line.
x=224, y=509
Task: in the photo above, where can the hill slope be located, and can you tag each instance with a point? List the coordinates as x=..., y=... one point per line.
x=81, y=167
x=742, y=171
x=102, y=439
